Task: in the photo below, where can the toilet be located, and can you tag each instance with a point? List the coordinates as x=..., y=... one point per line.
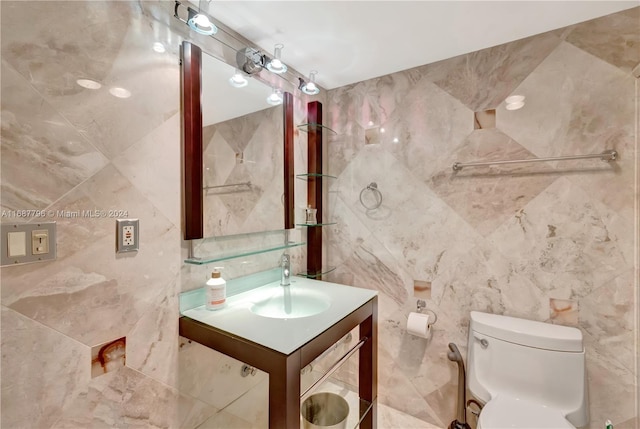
x=528, y=374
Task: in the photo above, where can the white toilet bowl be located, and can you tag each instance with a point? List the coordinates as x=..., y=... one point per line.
x=508, y=412
x=530, y=375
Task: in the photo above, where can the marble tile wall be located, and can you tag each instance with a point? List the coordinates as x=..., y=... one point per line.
x=551, y=241
x=67, y=148
x=247, y=149
x=482, y=240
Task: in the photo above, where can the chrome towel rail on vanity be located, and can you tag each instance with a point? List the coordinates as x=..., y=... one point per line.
x=608, y=155
x=333, y=369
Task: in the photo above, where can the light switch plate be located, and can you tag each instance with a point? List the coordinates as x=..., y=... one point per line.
x=23, y=243
x=127, y=235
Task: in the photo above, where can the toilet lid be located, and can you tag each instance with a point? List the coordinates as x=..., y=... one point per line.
x=505, y=412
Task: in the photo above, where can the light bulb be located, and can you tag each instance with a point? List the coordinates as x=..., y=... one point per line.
x=202, y=20
x=159, y=47
x=238, y=80
x=276, y=65
x=201, y=23
x=275, y=98
x=310, y=88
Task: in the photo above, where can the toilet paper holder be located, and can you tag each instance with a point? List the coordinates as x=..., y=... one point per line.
x=422, y=305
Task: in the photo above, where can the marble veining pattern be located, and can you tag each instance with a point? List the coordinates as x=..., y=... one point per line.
x=53, y=58
x=505, y=241
x=546, y=241
x=494, y=199
x=578, y=104
x=29, y=348
x=99, y=152
x=614, y=38
x=483, y=79
x=37, y=138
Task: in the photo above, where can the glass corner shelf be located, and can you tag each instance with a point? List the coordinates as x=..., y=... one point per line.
x=305, y=176
x=240, y=254
x=316, y=224
x=305, y=127
x=323, y=271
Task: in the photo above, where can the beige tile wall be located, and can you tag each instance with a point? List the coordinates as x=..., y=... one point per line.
x=550, y=242
x=507, y=243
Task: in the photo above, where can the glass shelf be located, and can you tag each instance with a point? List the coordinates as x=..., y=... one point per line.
x=316, y=224
x=305, y=127
x=323, y=271
x=209, y=260
x=307, y=175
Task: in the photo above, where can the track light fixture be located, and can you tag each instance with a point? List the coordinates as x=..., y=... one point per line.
x=309, y=88
x=196, y=20
x=249, y=60
x=275, y=65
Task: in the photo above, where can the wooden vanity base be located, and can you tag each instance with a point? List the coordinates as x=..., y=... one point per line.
x=284, y=370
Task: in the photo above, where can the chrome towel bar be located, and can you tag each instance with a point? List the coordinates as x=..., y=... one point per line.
x=332, y=369
x=609, y=155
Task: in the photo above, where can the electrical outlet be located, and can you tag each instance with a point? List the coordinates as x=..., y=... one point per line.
x=40, y=242
x=127, y=235
x=128, y=238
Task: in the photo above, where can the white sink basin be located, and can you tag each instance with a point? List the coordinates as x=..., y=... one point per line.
x=298, y=313
x=289, y=302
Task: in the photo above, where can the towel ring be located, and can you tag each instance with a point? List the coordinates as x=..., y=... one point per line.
x=373, y=187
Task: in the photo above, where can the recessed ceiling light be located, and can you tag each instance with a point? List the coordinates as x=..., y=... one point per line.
x=514, y=102
x=89, y=84
x=514, y=99
x=396, y=139
x=515, y=106
x=158, y=47
x=116, y=91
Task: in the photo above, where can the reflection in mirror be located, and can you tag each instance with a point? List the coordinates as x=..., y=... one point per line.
x=242, y=148
x=242, y=154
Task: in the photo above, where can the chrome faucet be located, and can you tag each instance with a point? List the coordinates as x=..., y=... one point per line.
x=285, y=264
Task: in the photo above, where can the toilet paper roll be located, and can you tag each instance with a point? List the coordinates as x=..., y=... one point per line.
x=418, y=325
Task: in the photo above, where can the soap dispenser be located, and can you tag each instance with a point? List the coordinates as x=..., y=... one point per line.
x=216, y=290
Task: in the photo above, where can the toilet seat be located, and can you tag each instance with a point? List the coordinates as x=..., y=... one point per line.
x=506, y=412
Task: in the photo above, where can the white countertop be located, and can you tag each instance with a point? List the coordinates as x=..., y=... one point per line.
x=282, y=335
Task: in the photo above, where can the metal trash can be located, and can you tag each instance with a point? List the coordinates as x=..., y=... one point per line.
x=324, y=411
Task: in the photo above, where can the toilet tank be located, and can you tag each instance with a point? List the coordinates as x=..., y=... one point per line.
x=537, y=361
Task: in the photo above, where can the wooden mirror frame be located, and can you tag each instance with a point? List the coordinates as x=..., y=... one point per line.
x=192, y=174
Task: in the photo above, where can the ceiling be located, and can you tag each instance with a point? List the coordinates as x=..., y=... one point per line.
x=351, y=41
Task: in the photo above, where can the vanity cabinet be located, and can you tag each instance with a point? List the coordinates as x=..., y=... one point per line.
x=284, y=368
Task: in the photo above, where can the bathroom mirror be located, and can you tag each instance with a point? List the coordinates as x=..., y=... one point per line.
x=237, y=151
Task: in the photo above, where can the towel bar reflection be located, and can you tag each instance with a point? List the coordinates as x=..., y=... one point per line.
x=248, y=184
x=608, y=155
